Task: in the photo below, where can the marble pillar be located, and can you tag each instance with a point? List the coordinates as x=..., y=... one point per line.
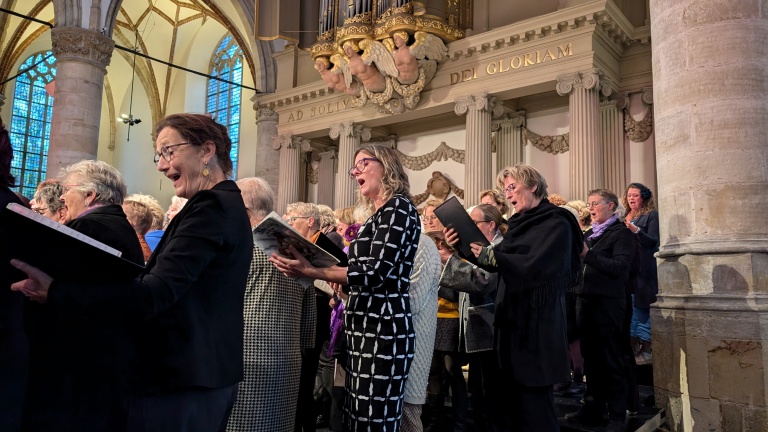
x=267, y=160
x=612, y=140
x=478, y=167
x=509, y=140
x=291, y=149
x=82, y=57
x=326, y=173
x=710, y=323
x=586, y=157
x=350, y=135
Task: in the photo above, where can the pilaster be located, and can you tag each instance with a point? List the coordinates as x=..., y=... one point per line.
x=350, y=136
x=478, y=168
x=291, y=148
x=586, y=157
x=612, y=136
x=81, y=60
x=509, y=141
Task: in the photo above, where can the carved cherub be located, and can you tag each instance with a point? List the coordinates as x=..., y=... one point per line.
x=372, y=66
x=334, y=78
x=408, y=59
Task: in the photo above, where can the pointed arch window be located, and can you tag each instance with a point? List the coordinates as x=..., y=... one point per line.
x=223, y=100
x=31, y=121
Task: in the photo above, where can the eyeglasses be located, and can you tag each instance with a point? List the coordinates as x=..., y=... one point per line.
x=595, y=204
x=166, y=152
x=41, y=211
x=479, y=222
x=292, y=219
x=430, y=218
x=66, y=187
x=511, y=188
x=360, y=166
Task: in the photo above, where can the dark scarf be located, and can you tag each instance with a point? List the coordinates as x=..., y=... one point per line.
x=538, y=261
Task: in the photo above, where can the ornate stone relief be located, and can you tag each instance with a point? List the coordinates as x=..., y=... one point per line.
x=313, y=163
x=265, y=113
x=639, y=131
x=290, y=142
x=477, y=103
x=76, y=44
x=442, y=152
x=551, y=144
x=440, y=187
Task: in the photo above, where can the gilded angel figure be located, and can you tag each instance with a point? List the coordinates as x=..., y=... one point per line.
x=372, y=66
x=408, y=59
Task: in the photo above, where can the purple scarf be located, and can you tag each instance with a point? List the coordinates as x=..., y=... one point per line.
x=337, y=325
x=597, y=229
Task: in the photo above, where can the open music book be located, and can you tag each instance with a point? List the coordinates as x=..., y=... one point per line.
x=273, y=234
x=58, y=250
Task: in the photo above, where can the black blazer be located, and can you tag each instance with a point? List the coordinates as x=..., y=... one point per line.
x=608, y=262
x=647, y=282
x=189, y=300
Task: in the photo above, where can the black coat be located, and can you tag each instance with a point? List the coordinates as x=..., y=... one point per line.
x=647, y=282
x=79, y=358
x=13, y=339
x=608, y=262
x=189, y=300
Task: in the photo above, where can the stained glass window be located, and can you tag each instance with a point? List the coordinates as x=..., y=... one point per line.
x=223, y=99
x=31, y=121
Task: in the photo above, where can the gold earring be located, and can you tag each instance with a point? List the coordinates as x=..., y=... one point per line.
x=206, y=172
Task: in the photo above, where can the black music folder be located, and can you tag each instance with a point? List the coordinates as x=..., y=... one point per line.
x=453, y=215
x=58, y=250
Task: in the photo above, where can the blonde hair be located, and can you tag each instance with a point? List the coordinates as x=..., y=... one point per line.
x=139, y=215
x=306, y=210
x=394, y=180
x=158, y=214
x=345, y=215
x=582, y=210
x=498, y=198
x=526, y=175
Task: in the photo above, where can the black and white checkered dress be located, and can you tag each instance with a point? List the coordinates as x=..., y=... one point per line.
x=266, y=398
x=377, y=318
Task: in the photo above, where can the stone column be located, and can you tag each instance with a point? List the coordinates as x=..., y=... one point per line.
x=350, y=135
x=586, y=158
x=82, y=57
x=326, y=172
x=291, y=148
x=312, y=163
x=612, y=136
x=710, y=324
x=478, y=168
x=267, y=160
x=509, y=141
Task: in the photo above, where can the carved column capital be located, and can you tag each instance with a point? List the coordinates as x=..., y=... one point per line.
x=648, y=95
x=77, y=44
x=481, y=102
x=515, y=119
x=264, y=113
x=621, y=99
x=589, y=79
x=350, y=130
x=291, y=142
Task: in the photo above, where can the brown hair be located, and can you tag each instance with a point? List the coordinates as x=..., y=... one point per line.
x=556, y=199
x=645, y=194
x=498, y=198
x=197, y=129
x=6, y=155
x=394, y=181
x=492, y=214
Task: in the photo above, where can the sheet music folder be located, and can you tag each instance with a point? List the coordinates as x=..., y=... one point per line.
x=453, y=215
x=58, y=250
x=274, y=235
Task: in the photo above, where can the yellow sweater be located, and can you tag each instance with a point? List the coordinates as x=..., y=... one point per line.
x=447, y=309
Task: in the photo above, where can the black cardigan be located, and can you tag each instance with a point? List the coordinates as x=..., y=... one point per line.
x=647, y=282
x=608, y=262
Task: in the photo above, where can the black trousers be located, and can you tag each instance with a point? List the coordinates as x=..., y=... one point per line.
x=487, y=395
x=194, y=410
x=526, y=409
x=602, y=345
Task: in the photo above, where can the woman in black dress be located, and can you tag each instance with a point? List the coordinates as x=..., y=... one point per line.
x=377, y=317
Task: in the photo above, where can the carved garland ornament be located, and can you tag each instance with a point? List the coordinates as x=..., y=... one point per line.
x=442, y=152
x=639, y=131
x=553, y=144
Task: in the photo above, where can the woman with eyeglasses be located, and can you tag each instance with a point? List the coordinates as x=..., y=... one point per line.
x=83, y=389
x=537, y=262
x=186, y=307
x=608, y=253
x=377, y=318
